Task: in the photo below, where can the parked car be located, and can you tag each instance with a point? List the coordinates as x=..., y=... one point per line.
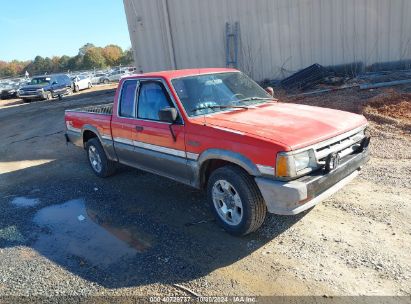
x=9, y=90
x=97, y=78
x=115, y=76
x=216, y=129
x=46, y=87
x=81, y=82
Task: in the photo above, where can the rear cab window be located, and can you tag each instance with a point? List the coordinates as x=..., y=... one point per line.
x=127, y=102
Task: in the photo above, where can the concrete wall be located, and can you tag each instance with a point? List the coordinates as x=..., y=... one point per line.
x=278, y=37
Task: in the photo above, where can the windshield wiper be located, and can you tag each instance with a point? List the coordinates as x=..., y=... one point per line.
x=253, y=98
x=218, y=107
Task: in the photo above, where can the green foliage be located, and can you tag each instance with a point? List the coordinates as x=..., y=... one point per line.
x=112, y=54
x=82, y=51
x=127, y=58
x=88, y=57
x=94, y=58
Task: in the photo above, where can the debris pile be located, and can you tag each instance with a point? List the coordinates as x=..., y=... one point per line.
x=305, y=78
x=317, y=79
x=391, y=104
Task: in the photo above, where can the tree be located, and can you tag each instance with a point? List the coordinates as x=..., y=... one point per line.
x=127, y=58
x=63, y=63
x=112, y=53
x=94, y=58
x=82, y=51
x=75, y=63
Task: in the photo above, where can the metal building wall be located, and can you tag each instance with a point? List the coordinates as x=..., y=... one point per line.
x=277, y=36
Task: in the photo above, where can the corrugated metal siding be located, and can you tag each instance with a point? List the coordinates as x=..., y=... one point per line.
x=277, y=36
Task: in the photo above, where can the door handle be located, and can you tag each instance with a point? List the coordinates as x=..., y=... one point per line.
x=139, y=128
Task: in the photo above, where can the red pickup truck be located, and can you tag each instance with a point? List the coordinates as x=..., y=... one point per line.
x=218, y=130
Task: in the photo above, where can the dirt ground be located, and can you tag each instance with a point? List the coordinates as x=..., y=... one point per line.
x=63, y=231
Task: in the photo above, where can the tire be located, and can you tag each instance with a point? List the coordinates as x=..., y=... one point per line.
x=25, y=100
x=76, y=88
x=95, y=152
x=106, y=81
x=89, y=85
x=231, y=183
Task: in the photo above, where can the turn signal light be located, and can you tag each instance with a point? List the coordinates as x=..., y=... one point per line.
x=282, y=167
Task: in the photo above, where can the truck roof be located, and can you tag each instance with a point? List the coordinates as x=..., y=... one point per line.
x=182, y=73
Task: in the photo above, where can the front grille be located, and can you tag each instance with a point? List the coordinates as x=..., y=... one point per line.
x=29, y=92
x=344, y=145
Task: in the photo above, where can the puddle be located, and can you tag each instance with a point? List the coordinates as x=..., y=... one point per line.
x=24, y=202
x=96, y=242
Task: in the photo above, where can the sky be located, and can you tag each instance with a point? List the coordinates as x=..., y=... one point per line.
x=59, y=27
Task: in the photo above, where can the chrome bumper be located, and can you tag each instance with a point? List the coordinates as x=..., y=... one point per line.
x=32, y=96
x=288, y=198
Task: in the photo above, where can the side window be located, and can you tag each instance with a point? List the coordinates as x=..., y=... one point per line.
x=152, y=98
x=128, y=98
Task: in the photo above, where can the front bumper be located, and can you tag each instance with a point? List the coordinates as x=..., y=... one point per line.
x=32, y=96
x=288, y=198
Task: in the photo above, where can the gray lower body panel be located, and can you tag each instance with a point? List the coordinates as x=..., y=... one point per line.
x=75, y=138
x=288, y=198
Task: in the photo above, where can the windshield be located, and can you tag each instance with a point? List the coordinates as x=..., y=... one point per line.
x=210, y=93
x=40, y=81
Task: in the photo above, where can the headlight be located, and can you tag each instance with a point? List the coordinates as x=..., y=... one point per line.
x=302, y=161
x=293, y=165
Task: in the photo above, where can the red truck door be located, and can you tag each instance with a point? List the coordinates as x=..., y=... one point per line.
x=155, y=148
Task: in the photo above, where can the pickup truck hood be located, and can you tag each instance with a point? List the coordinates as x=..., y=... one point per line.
x=293, y=125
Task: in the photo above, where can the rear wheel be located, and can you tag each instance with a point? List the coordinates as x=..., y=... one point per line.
x=235, y=200
x=105, y=81
x=98, y=160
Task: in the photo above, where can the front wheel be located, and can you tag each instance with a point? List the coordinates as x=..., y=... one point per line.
x=235, y=200
x=99, y=163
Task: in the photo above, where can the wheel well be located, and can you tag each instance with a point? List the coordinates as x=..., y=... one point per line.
x=211, y=165
x=87, y=135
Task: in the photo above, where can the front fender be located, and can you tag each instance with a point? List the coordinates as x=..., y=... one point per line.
x=229, y=156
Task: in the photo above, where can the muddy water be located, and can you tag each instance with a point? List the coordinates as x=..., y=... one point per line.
x=71, y=230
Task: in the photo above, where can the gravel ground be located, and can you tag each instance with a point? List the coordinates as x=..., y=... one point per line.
x=64, y=231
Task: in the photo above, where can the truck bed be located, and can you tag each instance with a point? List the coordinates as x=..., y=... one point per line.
x=104, y=109
x=97, y=118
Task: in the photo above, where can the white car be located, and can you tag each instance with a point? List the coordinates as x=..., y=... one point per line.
x=115, y=76
x=81, y=82
x=97, y=78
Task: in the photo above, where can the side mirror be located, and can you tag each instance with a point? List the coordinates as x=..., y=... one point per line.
x=270, y=91
x=168, y=115
x=54, y=82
